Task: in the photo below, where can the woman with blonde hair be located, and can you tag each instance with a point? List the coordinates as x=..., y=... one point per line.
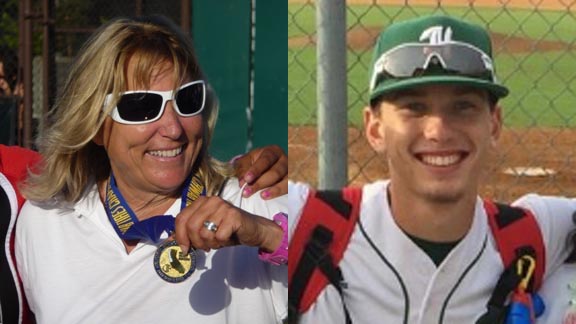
x=129, y=219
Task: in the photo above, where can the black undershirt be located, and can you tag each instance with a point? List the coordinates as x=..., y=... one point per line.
x=437, y=251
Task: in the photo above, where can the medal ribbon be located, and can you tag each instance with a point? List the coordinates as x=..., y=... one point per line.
x=127, y=225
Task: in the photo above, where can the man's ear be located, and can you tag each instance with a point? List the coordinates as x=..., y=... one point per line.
x=374, y=130
x=496, y=124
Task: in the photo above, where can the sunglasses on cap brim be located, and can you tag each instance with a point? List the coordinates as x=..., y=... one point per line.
x=411, y=60
x=145, y=106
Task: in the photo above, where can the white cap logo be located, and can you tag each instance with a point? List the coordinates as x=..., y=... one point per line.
x=437, y=35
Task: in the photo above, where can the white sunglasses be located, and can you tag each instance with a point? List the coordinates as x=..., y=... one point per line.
x=145, y=106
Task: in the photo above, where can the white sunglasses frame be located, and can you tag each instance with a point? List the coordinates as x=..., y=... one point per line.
x=166, y=96
x=379, y=64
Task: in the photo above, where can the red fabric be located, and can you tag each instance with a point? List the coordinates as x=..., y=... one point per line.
x=523, y=232
x=316, y=212
x=14, y=164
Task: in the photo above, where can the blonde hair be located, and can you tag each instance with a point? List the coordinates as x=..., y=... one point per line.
x=71, y=160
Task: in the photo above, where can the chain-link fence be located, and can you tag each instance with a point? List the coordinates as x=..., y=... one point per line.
x=535, y=47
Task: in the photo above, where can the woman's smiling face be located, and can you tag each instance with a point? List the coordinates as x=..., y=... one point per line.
x=156, y=157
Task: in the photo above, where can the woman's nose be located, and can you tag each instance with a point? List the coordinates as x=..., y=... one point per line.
x=169, y=122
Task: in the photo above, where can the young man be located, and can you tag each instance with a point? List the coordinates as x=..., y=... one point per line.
x=422, y=249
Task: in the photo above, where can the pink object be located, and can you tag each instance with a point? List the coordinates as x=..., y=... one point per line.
x=280, y=256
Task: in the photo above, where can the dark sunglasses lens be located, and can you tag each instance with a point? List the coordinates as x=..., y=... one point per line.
x=136, y=107
x=462, y=60
x=409, y=61
x=403, y=63
x=190, y=99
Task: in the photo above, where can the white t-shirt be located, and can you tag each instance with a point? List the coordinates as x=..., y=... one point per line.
x=391, y=280
x=75, y=270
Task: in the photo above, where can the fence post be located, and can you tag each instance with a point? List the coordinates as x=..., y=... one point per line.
x=27, y=16
x=332, y=98
x=48, y=61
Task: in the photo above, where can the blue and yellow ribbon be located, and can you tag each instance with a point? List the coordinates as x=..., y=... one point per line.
x=129, y=227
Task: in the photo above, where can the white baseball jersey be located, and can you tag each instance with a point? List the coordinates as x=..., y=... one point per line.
x=391, y=280
x=560, y=291
x=75, y=270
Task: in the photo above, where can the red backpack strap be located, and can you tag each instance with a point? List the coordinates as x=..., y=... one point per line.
x=319, y=241
x=515, y=228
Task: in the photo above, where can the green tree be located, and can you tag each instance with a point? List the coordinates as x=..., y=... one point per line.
x=9, y=24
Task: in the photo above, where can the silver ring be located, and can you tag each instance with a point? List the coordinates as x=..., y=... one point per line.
x=211, y=226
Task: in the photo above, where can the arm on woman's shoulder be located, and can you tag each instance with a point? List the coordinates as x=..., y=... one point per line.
x=254, y=204
x=263, y=168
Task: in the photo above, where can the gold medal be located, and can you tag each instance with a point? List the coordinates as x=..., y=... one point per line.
x=171, y=264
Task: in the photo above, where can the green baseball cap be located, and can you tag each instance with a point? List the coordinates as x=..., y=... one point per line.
x=433, y=50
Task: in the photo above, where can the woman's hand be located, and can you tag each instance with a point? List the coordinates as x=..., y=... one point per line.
x=265, y=167
x=233, y=226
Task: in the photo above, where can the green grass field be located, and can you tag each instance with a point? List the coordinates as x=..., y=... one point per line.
x=542, y=84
